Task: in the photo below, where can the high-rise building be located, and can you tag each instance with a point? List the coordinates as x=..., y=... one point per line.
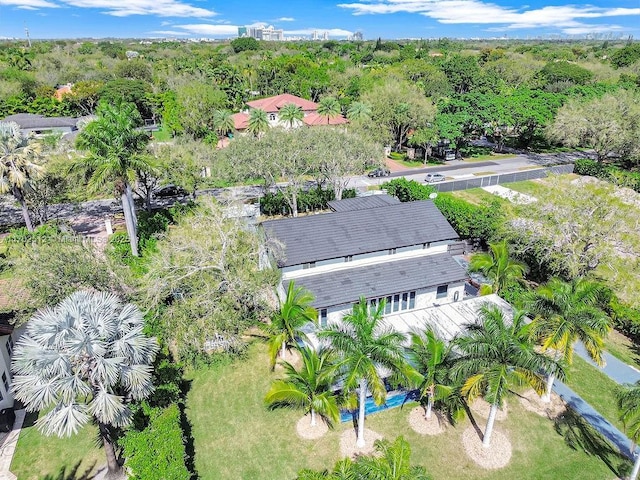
x=242, y=32
x=262, y=33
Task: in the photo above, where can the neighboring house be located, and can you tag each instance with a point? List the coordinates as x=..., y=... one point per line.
x=39, y=125
x=272, y=106
x=63, y=90
x=372, y=247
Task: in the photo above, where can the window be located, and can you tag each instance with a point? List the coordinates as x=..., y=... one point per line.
x=272, y=116
x=348, y=258
x=323, y=317
x=308, y=265
x=396, y=303
x=5, y=381
x=442, y=291
x=9, y=345
x=392, y=251
x=387, y=307
x=412, y=300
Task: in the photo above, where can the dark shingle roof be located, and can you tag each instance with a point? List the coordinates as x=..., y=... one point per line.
x=362, y=203
x=33, y=121
x=371, y=281
x=335, y=235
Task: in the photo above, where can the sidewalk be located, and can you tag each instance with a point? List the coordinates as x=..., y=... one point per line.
x=8, y=447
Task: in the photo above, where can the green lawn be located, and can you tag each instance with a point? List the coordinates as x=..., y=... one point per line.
x=491, y=156
x=479, y=196
x=162, y=135
x=622, y=348
x=38, y=457
x=237, y=437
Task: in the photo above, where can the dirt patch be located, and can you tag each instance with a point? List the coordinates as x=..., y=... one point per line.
x=427, y=426
x=532, y=402
x=496, y=456
x=306, y=431
x=482, y=408
x=348, y=447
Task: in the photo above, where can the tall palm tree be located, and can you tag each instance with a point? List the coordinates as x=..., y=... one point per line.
x=223, y=122
x=365, y=346
x=497, y=354
x=308, y=388
x=18, y=165
x=565, y=312
x=628, y=398
x=330, y=108
x=291, y=114
x=258, y=122
x=116, y=149
x=294, y=313
x=84, y=359
x=359, y=112
x=433, y=358
x=498, y=266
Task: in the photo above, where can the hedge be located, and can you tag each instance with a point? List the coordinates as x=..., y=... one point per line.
x=308, y=201
x=611, y=173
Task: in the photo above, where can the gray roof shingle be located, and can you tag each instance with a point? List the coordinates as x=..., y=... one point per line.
x=381, y=279
x=362, y=203
x=334, y=235
x=33, y=121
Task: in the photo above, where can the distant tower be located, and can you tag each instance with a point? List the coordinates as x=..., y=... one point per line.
x=26, y=30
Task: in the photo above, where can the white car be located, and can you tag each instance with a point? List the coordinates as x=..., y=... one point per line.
x=434, y=178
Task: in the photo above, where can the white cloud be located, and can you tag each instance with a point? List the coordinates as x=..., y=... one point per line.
x=167, y=33
x=333, y=32
x=29, y=4
x=161, y=8
x=480, y=12
x=210, y=29
x=286, y=19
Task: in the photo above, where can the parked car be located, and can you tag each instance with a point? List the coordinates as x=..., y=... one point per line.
x=434, y=178
x=379, y=172
x=169, y=191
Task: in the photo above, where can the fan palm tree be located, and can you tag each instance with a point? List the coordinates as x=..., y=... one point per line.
x=359, y=112
x=294, y=313
x=498, y=266
x=291, y=114
x=116, y=149
x=84, y=359
x=308, y=388
x=497, y=354
x=433, y=358
x=18, y=165
x=330, y=108
x=258, y=122
x=628, y=398
x=565, y=312
x=223, y=122
x=364, y=347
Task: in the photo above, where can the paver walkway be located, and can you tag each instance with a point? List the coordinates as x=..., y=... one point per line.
x=9, y=447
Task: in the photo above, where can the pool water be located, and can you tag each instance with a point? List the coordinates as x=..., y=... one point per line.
x=394, y=399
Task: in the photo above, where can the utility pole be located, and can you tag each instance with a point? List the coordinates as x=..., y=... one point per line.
x=27, y=32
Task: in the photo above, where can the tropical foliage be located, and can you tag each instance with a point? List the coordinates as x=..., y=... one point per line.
x=628, y=398
x=498, y=266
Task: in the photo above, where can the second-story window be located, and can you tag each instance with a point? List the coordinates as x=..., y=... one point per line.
x=323, y=318
x=308, y=265
x=5, y=381
x=348, y=258
x=272, y=117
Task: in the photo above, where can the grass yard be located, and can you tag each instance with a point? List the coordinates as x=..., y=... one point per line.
x=46, y=458
x=494, y=157
x=236, y=437
x=622, y=348
x=478, y=196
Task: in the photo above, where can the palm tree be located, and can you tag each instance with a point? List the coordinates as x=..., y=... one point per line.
x=628, y=398
x=258, y=122
x=308, y=388
x=291, y=114
x=223, y=122
x=18, y=165
x=364, y=346
x=329, y=107
x=498, y=266
x=495, y=355
x=565, y=312
x=433, y=358
x=359, y=112
x=84, y=359
x=392, y=462
x=294, y=313
x=115, y=154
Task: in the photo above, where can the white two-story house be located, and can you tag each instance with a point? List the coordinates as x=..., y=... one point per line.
x=372, y=247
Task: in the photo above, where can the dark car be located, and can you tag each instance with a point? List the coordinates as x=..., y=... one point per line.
x=169, y=191
x=379, y=172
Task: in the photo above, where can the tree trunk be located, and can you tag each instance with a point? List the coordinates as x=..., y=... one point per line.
x=17, y=193
x=486, y=439
x=131, y=229
x=427, y=413
x=283, y=352
x=361, y=406
x=132, y=206
x=546, y=397
x=636, y=466
x=313, y=417
x=147, y=200
x=114, y=469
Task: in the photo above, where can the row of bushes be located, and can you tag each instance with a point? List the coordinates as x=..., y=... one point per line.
x=470, y=221
x=611, y=173
x=308, y=201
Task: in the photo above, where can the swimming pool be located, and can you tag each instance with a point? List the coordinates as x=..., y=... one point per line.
x=394, y=399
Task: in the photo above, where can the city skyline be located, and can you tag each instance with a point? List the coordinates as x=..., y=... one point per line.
x=339, y=18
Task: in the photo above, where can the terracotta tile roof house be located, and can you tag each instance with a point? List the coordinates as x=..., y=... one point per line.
x=272, y=106
x=63, y=90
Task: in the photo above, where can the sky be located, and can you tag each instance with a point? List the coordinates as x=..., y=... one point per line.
x=340, y=18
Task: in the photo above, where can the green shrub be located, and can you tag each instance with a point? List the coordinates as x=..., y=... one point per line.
x=407, y=190
x=626, y=319
x=397, y=156
x=308, y=201
x=611, y=173
x=470, y=221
